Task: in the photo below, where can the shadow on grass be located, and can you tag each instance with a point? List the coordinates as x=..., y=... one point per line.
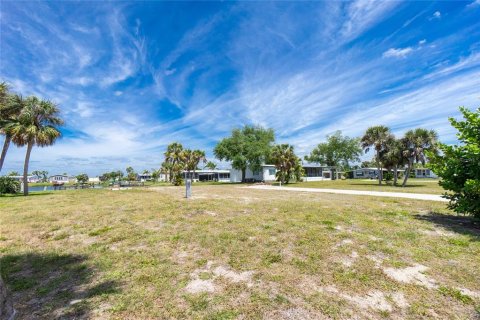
x=52, y=286
x=460, y=224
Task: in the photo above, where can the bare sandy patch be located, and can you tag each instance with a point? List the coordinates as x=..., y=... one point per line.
x=197, y=285
x=412, y=275
x=350, y=260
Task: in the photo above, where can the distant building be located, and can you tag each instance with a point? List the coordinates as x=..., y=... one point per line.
x=94, y=179
x=265, y=174
x=317, y=172
x=313, y=172
x=370, y=173
x=209, y=175
x=59, y=179
x=424, y=173
x=30, y=179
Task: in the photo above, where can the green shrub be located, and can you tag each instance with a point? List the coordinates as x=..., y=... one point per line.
x=9, y=185
x=458, y=166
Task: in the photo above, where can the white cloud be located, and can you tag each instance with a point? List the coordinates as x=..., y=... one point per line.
x=397, y=53
x=118, y=93
x=437, y=15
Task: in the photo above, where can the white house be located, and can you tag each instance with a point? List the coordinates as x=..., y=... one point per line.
x=317, y=172
x=94, y=180
x=425, y=173
x=313, y=172
x=59, y=179
x=265, y=174
x=209, y=175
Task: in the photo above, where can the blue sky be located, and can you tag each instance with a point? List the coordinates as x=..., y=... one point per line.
x=131, y=77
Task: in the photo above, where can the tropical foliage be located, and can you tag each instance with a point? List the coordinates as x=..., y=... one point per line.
x=36, y=125
x=377, y=138
x=337, y=151
x=10, y=107
x=211, y=165
x=288, y=165
x=459, y=165
x=415, y=144
x=41, y=175
x=9, y=185
x=247, y=147
x=174, y=163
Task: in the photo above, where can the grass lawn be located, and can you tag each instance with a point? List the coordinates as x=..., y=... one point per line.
x=413, y=185
x=236, y=253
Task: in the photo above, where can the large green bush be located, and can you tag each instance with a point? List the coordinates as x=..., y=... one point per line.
x=9, y=185
x=459, y=165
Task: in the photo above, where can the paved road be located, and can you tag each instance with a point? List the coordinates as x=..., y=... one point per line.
x=416, y=196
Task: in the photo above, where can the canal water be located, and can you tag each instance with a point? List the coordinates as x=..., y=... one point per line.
x=50, y=188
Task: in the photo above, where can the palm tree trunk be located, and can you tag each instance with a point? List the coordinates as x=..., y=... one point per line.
x=407, y=173
x=25, y=168
x=395, y=175
x=378, y=166
x=244, y=173
x=6, y=144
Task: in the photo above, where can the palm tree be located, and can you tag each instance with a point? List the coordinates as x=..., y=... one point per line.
x=286, y=163
x=211, y=165
x=392, y=157
x=415, y=143
x=37, y=125
x=10, y=107
x=376, y=137
x=191, y=159
x=173, y=156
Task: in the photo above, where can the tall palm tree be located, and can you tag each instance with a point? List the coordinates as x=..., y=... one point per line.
x=10, y=108
x=173, y=156
x=416, y=142
x=376, y=137
x=37, y=125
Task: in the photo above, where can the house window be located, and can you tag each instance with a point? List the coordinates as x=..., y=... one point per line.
x=271, y=172
x=256, y=173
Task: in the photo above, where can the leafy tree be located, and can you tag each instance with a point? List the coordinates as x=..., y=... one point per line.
x=13, y=173
x=338, y=151
x=376, y=137
x=459, y=165
x=82, y=178
x=249, y=146
x=288, y=165
x=37, y=125
x=415, y=143
x=9, y=185
x=10, y=108
x=211, y=165
x=146, y=172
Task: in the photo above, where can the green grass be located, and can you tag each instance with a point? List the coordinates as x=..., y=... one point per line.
x=413, y=185
x=132, y=254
